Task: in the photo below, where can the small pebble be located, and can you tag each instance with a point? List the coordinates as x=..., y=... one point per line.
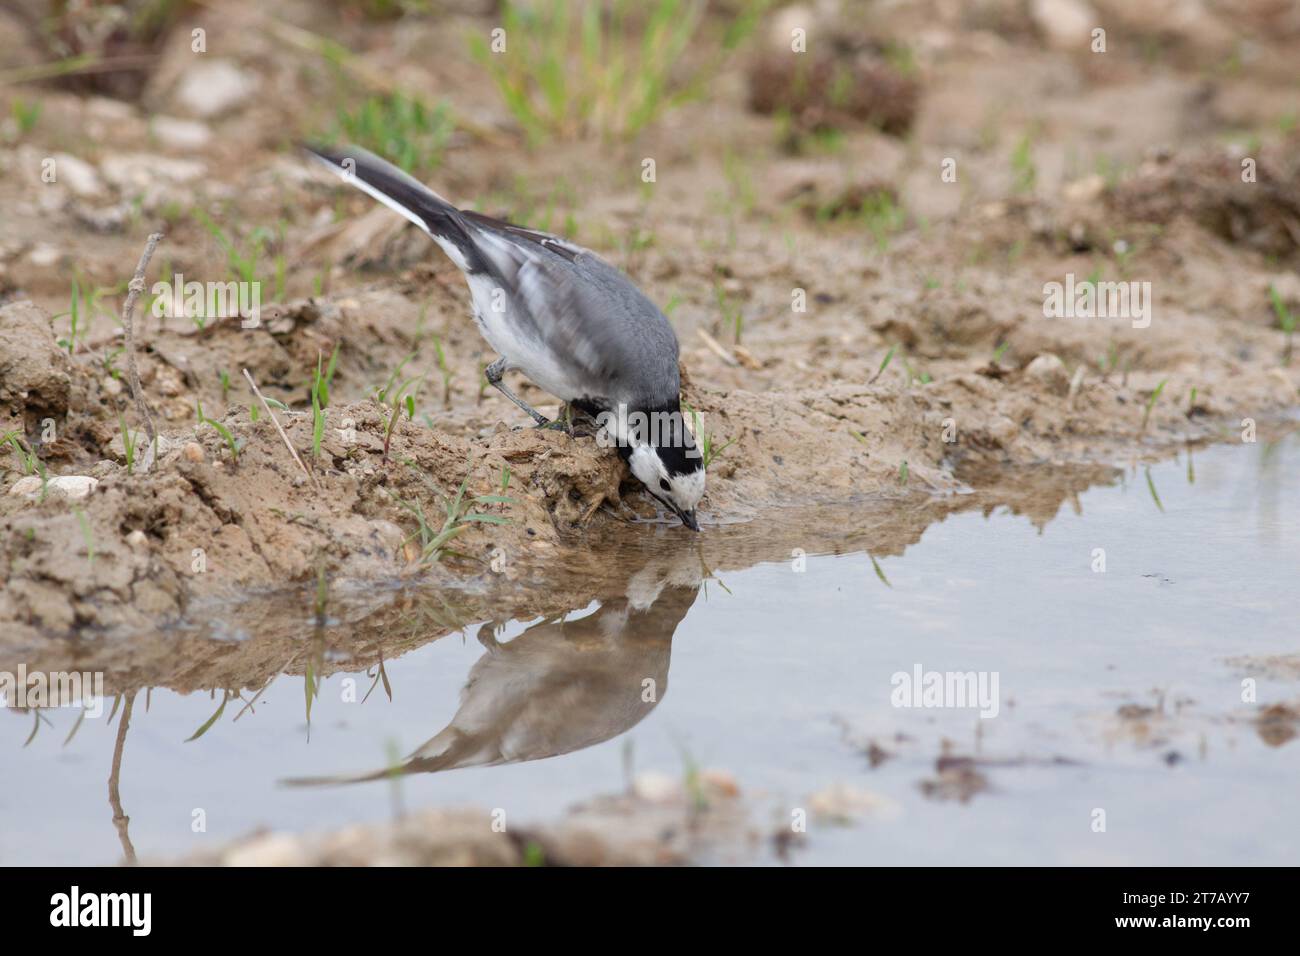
x=69, y=486
x=721, y=782
x=656, y=787
x=1050, y=372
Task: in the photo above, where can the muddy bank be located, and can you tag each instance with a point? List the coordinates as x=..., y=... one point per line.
x=208, y=521
x=340, y=622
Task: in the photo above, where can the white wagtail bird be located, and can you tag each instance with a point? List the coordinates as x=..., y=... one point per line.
x=571, y=322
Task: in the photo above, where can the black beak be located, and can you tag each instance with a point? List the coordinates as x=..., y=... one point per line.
x=688, y=517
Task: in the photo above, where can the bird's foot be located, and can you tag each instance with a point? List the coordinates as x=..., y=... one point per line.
x=542, y=422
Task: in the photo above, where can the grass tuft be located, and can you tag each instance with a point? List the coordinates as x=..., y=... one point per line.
x=609, y=69
x=25, y=115
x=709, y=448
x=884, y=363
x=1285, y=321
x=398, y=395
x=129, y=443
x=320, y=397
x=220, y=429
x=459, y=512
x=1151, y=402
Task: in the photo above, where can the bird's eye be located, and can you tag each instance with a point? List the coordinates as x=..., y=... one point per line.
x=663, y=483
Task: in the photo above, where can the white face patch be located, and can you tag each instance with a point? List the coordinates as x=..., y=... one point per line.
x=684, y=491
x=688, y=489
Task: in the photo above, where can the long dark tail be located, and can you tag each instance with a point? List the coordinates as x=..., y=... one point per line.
x=448, y=750
x=406, y=195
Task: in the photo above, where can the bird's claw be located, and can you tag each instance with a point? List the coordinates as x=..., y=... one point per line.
x=553, y=426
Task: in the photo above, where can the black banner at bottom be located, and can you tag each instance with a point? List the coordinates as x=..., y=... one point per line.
x=1011, y=904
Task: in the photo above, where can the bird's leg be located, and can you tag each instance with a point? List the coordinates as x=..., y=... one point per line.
x=494, y=374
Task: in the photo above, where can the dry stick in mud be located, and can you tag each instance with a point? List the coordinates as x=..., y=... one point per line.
x=276, y=422
x=76, y=66
x=121, y=822
x=134, y=289
x=717, y=348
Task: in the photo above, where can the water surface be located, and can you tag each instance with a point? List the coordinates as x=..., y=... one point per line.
x=781, y=672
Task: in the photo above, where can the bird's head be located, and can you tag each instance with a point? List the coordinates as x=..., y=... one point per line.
x=675, y=479
x=661, y=453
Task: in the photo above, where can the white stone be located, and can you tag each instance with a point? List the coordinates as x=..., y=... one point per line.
x=271, y=849
x=25, y=486
x=69, y=486
x=181, y=134
x=44, y=255
x=134, y=171
x=841, y=803
x=78, y=175
x=106, y=108
x=1084, y=190
x=656, y=787
x=1051, y=372
x=212, y=86
x=1065, y=24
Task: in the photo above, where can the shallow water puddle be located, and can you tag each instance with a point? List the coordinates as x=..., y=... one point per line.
x=1115, y=692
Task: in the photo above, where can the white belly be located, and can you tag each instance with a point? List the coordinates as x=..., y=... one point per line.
x=492, y=315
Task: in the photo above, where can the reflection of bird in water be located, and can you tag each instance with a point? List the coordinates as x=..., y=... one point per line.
x=563, y=685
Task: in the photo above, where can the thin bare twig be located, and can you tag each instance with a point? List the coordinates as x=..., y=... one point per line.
x=275, y=421
x=121, y=822
x=77, y=66
x=717, y=348
x=134, y=289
